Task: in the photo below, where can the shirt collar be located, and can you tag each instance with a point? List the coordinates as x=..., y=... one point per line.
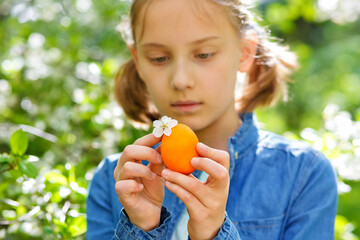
x=244, y=138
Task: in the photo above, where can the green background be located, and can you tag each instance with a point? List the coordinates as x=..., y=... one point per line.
x=58, y=60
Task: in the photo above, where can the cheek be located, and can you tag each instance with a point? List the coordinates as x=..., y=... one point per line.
x=221, y=77
x=223, y=85
x=154, y=91
x=150, y=79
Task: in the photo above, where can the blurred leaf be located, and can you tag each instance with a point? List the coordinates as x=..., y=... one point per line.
x=5, y=158
x=55, y=177
x=343, y=229
x=9, y=214
x=357, y=116
x=28, y=169
x=47, y=230
x=21, y=210
x=60, y=224
x=19, y=142
x=77, y=226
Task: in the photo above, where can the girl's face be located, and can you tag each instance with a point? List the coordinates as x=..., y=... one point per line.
x=188, y=53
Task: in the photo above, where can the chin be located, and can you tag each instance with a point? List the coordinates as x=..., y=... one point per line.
x=195, y=124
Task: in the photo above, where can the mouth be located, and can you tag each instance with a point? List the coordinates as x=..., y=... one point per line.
x=186, y=106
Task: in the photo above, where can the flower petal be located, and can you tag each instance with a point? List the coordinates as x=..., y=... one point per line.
x=167, y=131
x=172, y=123
x=165, y=119
x=157, y=123
x=158, y=131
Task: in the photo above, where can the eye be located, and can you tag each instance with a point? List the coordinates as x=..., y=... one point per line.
x=159, y=59
x=204, y=55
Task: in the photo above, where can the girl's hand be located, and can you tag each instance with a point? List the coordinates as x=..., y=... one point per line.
x=205, y=202
x=140, y=188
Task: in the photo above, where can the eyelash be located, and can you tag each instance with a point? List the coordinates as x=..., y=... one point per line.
x=159, y=60
x=207, y=55
x=201, y=56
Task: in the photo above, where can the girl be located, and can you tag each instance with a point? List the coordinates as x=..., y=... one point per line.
x=249, y=183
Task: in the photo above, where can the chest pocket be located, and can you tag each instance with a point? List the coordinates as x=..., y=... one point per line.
x=259, y=229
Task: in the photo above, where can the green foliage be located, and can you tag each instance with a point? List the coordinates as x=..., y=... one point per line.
x=328, y=57
x=58, y=60
x=16, y=159
x=19, y=143
x=42, y=205
x=57, y=64
x=343, y=229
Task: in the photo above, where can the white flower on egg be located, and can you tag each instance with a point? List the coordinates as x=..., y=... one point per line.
x=164, y=126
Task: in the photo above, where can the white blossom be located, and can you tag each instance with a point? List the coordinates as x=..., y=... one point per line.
x=164, y=126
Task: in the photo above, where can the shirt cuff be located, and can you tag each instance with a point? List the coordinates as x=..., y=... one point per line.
x=228, y=230
x=127, y=230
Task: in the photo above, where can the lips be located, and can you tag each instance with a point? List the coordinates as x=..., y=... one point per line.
x=186, y=106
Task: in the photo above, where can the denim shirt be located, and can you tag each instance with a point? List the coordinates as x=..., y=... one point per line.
x=279, y=189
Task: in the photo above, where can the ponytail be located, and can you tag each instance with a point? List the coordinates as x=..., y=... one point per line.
x=268, y=76
x=132, y=95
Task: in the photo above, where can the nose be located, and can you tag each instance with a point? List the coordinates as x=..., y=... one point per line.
x=181, y=78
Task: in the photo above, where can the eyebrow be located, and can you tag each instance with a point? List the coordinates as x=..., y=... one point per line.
x=198, y=41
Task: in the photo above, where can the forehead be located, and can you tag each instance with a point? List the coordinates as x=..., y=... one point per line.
x=181, y=20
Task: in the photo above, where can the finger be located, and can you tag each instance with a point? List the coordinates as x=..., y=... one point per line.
x=127, y=187
x=139, y=153
x=136, y=153
x=217, y=155
x=157, y=168
x=158, y=149
x=148, y=140
x=191, y=202
x=131, y=170
x=187, y=182
x=218, y=173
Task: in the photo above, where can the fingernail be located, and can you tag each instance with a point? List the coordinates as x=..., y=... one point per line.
x=201, y=146
x=194, y=161
x=165, y=173
x=159, y=158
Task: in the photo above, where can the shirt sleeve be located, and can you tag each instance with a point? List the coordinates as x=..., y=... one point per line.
x=312, y=212
x=127, y=230
x=100, y=221
x=228, y=231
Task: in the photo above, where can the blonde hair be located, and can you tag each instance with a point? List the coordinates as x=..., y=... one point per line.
x=266, y=81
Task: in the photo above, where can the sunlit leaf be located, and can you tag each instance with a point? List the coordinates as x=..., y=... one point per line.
x=9, y=214
x=47, y=230
x=28, y=169
x=77, y=226
x=19, y=142
x=55, y=177
x=21, y=210
x=5, y=158
x=61, y=225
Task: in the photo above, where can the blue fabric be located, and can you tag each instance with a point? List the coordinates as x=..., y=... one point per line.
x=279, y=189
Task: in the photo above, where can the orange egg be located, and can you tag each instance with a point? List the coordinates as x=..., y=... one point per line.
x=179, y=148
